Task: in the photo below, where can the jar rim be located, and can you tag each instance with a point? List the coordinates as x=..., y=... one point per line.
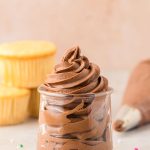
x=42, y=90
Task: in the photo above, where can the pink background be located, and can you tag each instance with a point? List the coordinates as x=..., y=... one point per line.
x=113, y=33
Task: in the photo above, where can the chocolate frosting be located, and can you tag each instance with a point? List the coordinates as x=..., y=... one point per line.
x=78, y=120
x=137, y=92
x=76, y=75
x=80, y=123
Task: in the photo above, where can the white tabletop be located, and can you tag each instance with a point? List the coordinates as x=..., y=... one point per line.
x=26, y=133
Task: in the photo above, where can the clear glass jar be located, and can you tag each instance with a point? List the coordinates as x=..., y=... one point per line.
x=75, y=122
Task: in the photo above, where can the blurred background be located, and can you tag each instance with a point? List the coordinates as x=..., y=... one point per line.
x=113, y=33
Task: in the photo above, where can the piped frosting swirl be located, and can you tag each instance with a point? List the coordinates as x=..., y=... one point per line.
x=76, y=75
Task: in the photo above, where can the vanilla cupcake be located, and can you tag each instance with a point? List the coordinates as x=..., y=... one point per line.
x=24, y=63
x=13, y=105
x=34, y=103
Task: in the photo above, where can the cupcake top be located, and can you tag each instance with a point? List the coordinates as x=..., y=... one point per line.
x=27, y=49
x=8, y=92
x=76, y=75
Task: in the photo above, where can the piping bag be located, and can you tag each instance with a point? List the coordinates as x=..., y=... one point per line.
x=135, y=109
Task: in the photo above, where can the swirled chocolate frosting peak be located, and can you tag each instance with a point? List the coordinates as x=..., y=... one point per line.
x=76, y=75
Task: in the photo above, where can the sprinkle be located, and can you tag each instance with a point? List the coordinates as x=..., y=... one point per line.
x=20, y=146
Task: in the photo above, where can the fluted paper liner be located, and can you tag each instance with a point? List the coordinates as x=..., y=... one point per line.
x=34, y=103
x=26, y=73
x=14, y=108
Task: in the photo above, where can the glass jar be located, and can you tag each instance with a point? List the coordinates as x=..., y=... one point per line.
x=75, y=122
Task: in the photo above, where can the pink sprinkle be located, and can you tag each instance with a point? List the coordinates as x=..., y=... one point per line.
x=136, y=149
